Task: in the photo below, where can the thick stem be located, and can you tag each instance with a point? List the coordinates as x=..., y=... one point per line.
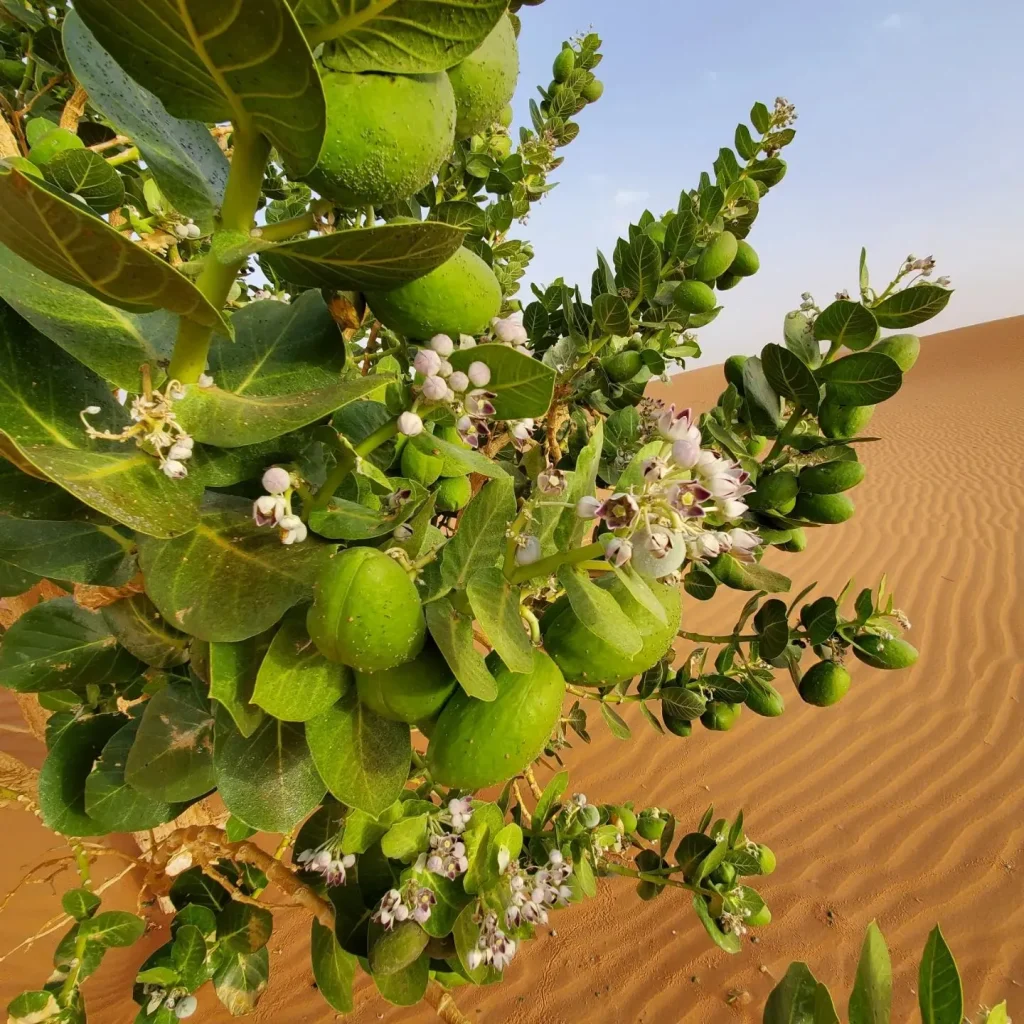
x=127, y=157
x=546, y=566
x=241, y=197
x=284, y=229
x=346, y=463
x=444, y=1006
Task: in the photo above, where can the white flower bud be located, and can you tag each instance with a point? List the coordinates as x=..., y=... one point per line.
x=445, y=369
x=289, y=522
x=479, y=374
x=463, y=424
x=192, y=231
x=409, y=423
x=91, y=410
x=174, y=469
x=205, y=381
x=588, y=507
x=442, y=345
x=427, y=362
x=618, y=551
x=458, y=381
x=402, y=533
x=685, y=453
x=658, y=551
x=435, y=389
x=522, y=430
x=528, y=552
x=467, y=341
x=180, y=451
x=276, y=480
x=187, y=1006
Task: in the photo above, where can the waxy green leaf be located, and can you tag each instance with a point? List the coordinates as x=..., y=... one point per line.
x=480, y=540
x=453, y=634
x=912, y=306
x=789, y=376
x=762, y=401
x=80, y=903
x=793, y=1000
x=384, y=256
x=342, y=519
x=571, y=529
x=495, y=603
x=113, y=928
x=243, y=61
x=141, y=629
x=940, y=994
x=233, y=668
x=86, y=174
x=468, y=459
x=189, y=952
x=76, y=552
x=258, y=577
x=29, y=497
x=871, y=998
x=864, y=378
x=241, y=979
x=522, y=386
x=599, y=612
x=334, y=968
x=846, y=323
x=182, y=156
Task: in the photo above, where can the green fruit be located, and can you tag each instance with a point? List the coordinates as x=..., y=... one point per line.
x=366, y=612
x=797, y=542
x=695, y=297
x=593, y=90
x=759, y=919
x=411, y=692
x=734, y=371
x=724, y=874
x=717, y=257
x=763, y=699
x=622, y=366
x=823, y=508
x=564, y=64
x=770, y=535
x=757, y=444
x=453, y=493
x=832, y=477
x=11, y=72
x=583, y=656
x=843, y=420
x=765, y=859
x=878, y=652
x=676, y=726
x=776, y=492
x=486, y=80
x=58, y=140
x=626, y=816
x=386, y=136
x=903, y=349
x=458, y=297
x=420, y=466
x=747, y=262
x=824, y=683
x=720, y=716
x=506, y=116
x=650, y=826
x=727, y=281
x=452, y=467
x=500, y=146
x=478, y=743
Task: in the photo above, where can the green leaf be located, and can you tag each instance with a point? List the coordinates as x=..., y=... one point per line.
x=467, y=459
x=243, y=928
x=111, y=802
x=236, y=830
x=611, y=314
x=495, y=603
x=280, y=373
x=871, y=998
x=912, y=306
x=28, y=497
x=453, y=634
x=615, y=722
x=362, y=830
x=522, y=385
x=189, y=955
x=406, y=839
x=792, y=1001
x=451, y=898
x=348, y=520
x=824, y=1008
x=33, y=1007
x=641, y=267
x=599, y=612
x=258, y=578
x=268, y=779
x=680, y=234
x=333, y=968
x=700, y=584
x=363, y=758
x=641, y=592
x=788, y=375
x=182, y=156
x=77, y=552
x=725, y=940
x=773, y=629
x=939, y=992
x=42, y=391
x=240, y=980
x=113, y=928
x=384, y=256
x=467, y=934
x=553, y=791
x=762, y=401
x=60, y=645
x=79, y=903
x=820, y=619
x=570, y=529
x=848, y=323
x=744, y=576
x=998, y=1015
x=245, y=62
x=88, y=175
x=233, y=668
x=295, y=681
x=480, y=539
x=864, y=378
x=406, y=987
x=142, y=630
x=77, y=247
x=194, y=889
x=172, y=756
x=405, y=36
x=682, y=703
x=798, y=332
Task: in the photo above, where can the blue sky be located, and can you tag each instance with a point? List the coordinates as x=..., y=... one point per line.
x=909, y=140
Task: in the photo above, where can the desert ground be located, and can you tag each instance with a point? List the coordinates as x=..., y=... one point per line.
x=905, y=803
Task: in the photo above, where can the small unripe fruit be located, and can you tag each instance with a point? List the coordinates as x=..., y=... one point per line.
x=506, y=115
x=776, y=492
x=832, y=477
x=825, y=683
x=593, y=90
x=716, y=258
x=453, y=493
x=695, y=297
x=727, y=281
x=757, y=444
x=902, y=349
x=746, y=262
x=840, y=421
x=622, y=366
x=828, y=509
x=797, y=541
x=420, y=466
x=485, y=81
x=760, y=918
x=734, y=371
x=763, y=699
x=720, y=715
x=626, y=816
x=765, y=859
x=650, y=826
x=414, y=691
x=879, y=652
x=564, y=64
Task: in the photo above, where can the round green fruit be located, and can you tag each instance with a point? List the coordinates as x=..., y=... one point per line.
x=724, y=874
x=11, y=71
x=756, y=444
x=776, y=492
x=728, y=281
x=828, y=509
x=506, y=116
x=593, y=90
x=458, y=297
x=734, y=371
x=902, y=349
x=763, y=699
x=765, y=859
x=676, y=726
x=878, y=652
x=585, y=657
x=717, y=257
x=453, y=493
x=622, y=366
x=500, y=146
x=480, y=743
x=366, y=612
x=650, y=826
x=695, y=297
x=747, y=262
x=55, y=141
x=564, y=64
x=627, y=816
x=419, y=465
x=720, y=716
x=411, y=692
x=797, y=542
x=831, y=478
x=825, y=683
x=486, y=80
x=839, y=421
x=759, y=919
x=386, y=136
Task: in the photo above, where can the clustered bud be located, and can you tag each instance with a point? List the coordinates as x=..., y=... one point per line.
x=413, y=902
x=275, y=507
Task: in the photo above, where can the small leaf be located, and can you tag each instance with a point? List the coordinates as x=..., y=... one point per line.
x=639, y=590
x=611, y=314
x=480, y=539
x=141, y=630
x=333, y=968
x=939, y=992
x=773, y=629
x=762, y=401
x=232, y=672
x=615, y=722
x=549, y=797
x=788, y=375
x=599, y=612
x=243, y=928
x=113, y=928
x=682, y=703
x=912, y=306
x=522, y=386
x=451, y=898
x=453, y=634
x=79, y=903
x=240, y=980
x=495, y=603
x=864, y=378
x=189, y=955
x=724, y=940
x=406, y=839
x=33, y=1007
x=847, y=323
x=466, y=459
x=88, y=175
x=793, y=1000
x=700, y=584
x=820, y=619
x=641, y=267
x=798, y=332
x=871, y=998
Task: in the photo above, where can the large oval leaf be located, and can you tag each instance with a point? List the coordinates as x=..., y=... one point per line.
x=480, y=540
x=788, y=375
x=78, y=247
x=495, y=604
x=864, y=378
x=846, y=323
x=141, y=629
x=793, y=1000
x=233, y=669
x=522, y=385
x=58, y=645
x=334, y=968
x=871, y=998
x=940, y=994
x=365, y=258
x=182, y=156
x=88, y=175
x=221, y=60
x=241, y=979
x=77, y=552
x=453, y=634
x=912, y=306
x=257, y=577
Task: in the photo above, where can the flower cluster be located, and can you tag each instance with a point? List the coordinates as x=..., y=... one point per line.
x=414, y=903
x=177, y=1000
x=275, y=507
x=447, y=856
x=510, y=331
x=328, y=861
x=532, y=894
x=734, y=923
x=493, y=948
x=458, y=814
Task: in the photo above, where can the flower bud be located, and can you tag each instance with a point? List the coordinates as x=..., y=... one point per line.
x=174, y=469
x=458, y=381
x=402, y=533
x=91, y=410
x=522, y=430
x=588, y=507
x=442, y=345
x=618, y=551
x=187, y=1006
x=467, y=341
x=276, y=480
x=427, y=362
x=658, y=551
x=528, y=551
x=685, y=453
x=445, y=369
x=435, y=389
x=410, y=424
x=479, y=374
x=180, y=452
x=551, y=481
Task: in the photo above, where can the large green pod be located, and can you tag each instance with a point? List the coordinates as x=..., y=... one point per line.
x=485, y=81
x=774, y=492
x=458, y=297
x=386, y=136
x=411, y=692
x=832, y=477
x=841, y=421
x=880, y=652
x=828, y=509
x=366, y=612
x=717, y=257
x=746, y=261
x=903, y=349
x=694, y=297
x=825, y=683
x=482, y=743
x=585, y=657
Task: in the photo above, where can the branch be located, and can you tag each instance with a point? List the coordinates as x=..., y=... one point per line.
x=74, y=109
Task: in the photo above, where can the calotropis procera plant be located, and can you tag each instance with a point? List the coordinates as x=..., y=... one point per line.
x=352, y=536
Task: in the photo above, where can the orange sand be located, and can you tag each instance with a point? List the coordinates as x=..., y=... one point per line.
x=903, y=804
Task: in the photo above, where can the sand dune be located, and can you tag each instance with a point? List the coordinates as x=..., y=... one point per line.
x=902, y=804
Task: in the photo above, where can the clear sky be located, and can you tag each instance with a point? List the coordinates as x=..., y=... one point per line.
x=910, y=139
